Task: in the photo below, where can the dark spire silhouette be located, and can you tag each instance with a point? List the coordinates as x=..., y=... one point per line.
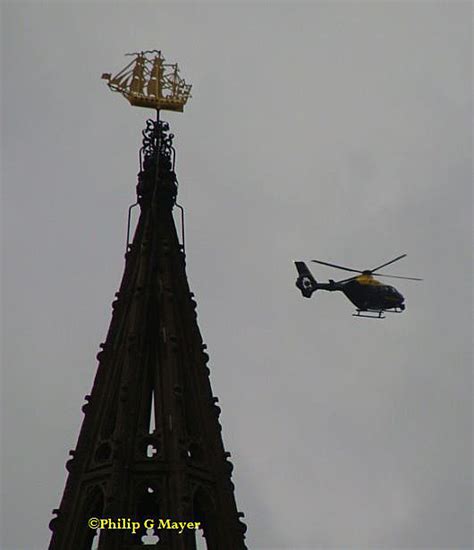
x=150, y=446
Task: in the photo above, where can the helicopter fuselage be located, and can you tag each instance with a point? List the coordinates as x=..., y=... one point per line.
x=366, y=293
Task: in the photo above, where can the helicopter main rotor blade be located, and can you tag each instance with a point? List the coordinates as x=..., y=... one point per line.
x=337, y=266
x=397, y=277
x=367, y=271
x=388, y=263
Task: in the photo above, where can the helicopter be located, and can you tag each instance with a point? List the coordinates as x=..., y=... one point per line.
x=371, y=297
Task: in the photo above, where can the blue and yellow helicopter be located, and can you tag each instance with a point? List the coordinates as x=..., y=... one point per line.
x=371, y=297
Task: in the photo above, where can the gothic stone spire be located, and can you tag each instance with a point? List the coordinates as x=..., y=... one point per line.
x=150, y=446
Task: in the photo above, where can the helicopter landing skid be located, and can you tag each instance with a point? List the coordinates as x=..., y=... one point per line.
x=377, y=313
x=364, y=312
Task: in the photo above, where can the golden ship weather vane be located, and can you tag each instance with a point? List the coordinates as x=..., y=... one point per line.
x=148, y=81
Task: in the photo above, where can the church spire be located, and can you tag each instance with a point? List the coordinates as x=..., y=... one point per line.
x=150, y=449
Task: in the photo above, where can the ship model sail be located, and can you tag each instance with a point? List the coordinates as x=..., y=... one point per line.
x=147, y=81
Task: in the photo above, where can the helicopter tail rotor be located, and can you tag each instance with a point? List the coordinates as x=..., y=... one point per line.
x=305, y=281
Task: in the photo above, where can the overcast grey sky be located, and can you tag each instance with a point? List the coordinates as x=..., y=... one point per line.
x=331, y=130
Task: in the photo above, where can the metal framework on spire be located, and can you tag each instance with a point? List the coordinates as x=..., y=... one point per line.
x=150, y=453
x=147, y=81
